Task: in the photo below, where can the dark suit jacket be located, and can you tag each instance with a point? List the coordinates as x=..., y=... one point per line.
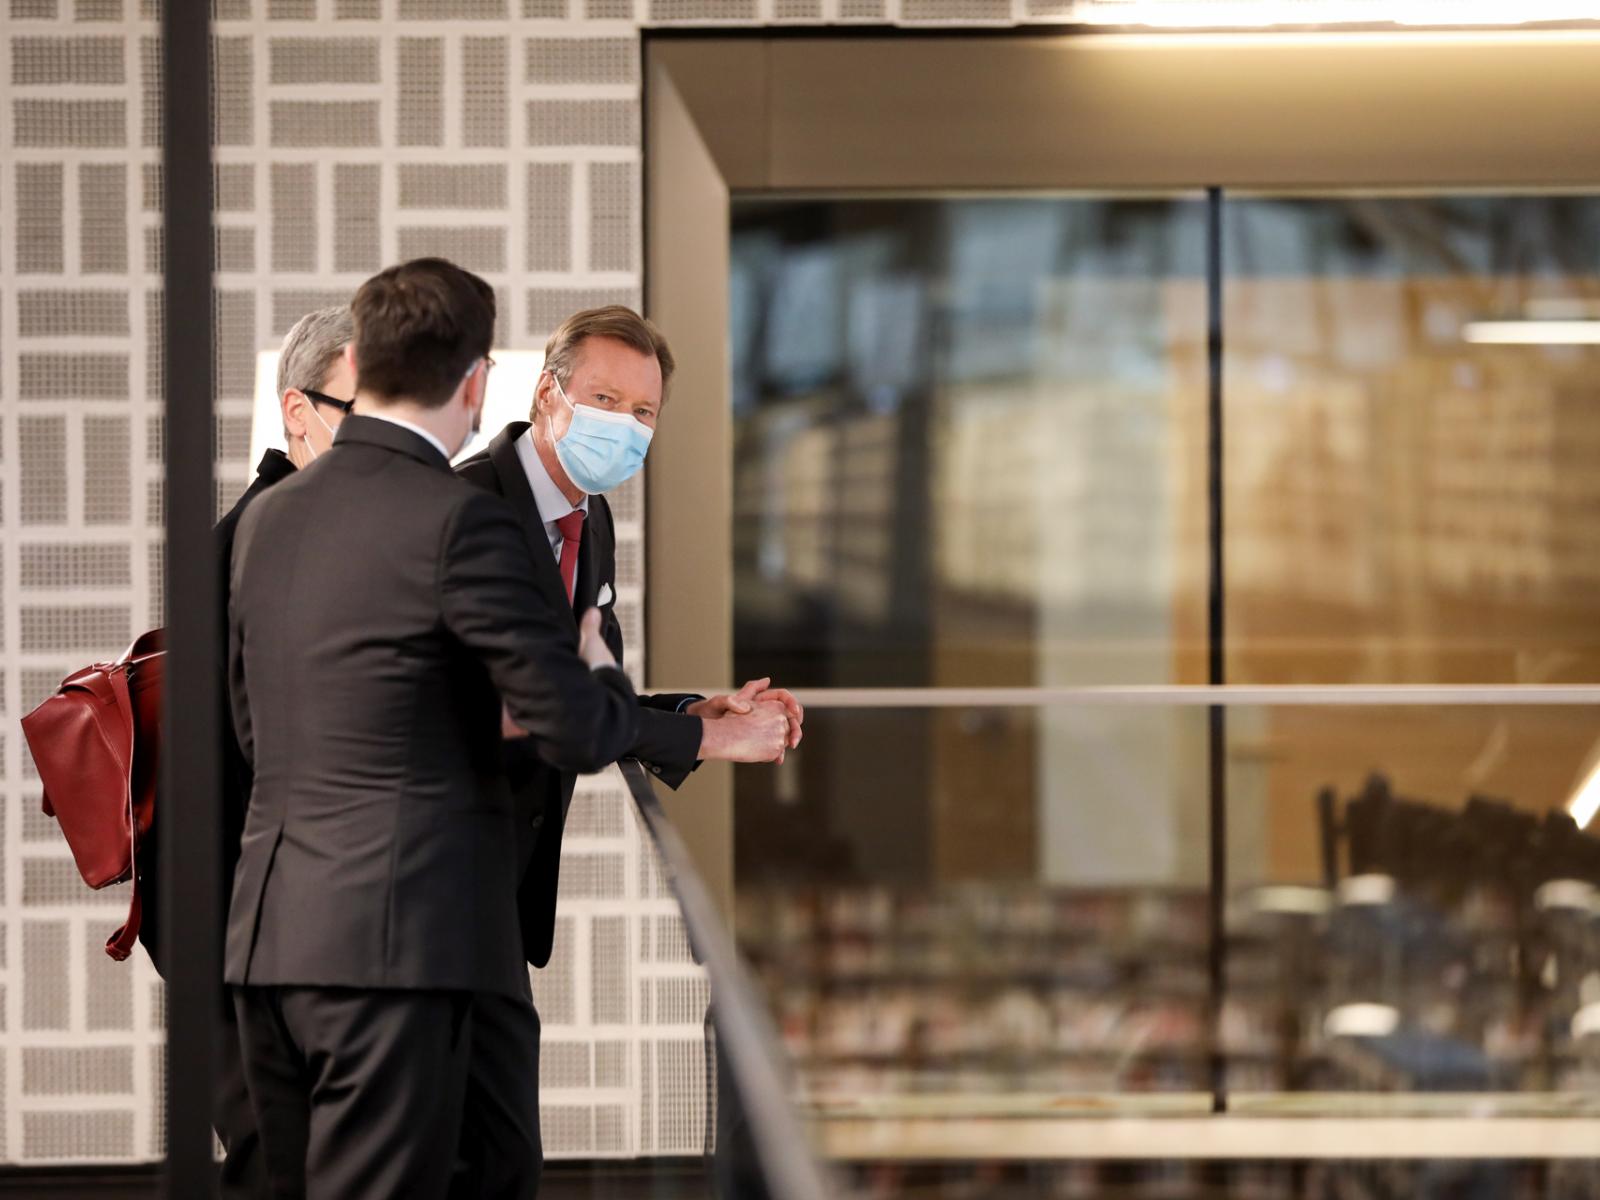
x=381, y=611
x=667, y=741
x=274, y=467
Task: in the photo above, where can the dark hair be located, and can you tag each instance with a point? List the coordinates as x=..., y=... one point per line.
x=612, y=321
x=419, y=327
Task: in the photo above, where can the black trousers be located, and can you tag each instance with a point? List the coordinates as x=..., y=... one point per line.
x=358, y=1094
x=501, y=1152
x=244, y=1174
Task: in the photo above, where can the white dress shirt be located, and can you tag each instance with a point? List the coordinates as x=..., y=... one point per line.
x=553, y=503
x=413, y=427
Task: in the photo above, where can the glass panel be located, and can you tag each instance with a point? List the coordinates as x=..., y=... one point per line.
x=984, y=901
x=955, y=427
x=1413, y=909
x=1412, y=430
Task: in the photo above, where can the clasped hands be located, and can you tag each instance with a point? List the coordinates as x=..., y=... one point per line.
x=758, y=723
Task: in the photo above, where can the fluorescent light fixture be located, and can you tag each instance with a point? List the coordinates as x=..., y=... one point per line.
x=1585, y=801
x=1362, y=1021
x=511, y=385
x=1532, y=333
x=1365, y=890
x=1255, y=14
x=1293, y=900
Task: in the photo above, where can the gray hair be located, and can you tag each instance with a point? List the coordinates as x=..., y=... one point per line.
x=312, y=347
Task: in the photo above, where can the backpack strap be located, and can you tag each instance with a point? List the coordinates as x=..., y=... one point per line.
x=152, y=642
x=120, y=944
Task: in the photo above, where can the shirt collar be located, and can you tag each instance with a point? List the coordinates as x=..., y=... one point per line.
x=552, y=501
x=414, y=428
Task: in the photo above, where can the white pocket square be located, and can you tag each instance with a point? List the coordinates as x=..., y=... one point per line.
x=605, y=596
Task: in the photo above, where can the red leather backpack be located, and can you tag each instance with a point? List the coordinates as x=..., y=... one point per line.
x=96, y=742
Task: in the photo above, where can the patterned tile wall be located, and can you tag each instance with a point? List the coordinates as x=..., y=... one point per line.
x=350, y=133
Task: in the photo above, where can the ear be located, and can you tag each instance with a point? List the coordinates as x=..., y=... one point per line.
x=295, y=403
x=482, y=393
x=350, y=358
x=544, y=395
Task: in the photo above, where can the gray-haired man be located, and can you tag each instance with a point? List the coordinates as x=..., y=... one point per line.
x=315, y=386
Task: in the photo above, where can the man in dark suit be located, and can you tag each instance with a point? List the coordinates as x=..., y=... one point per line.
x=315, y=383
x=595, y=409
x=382, y=612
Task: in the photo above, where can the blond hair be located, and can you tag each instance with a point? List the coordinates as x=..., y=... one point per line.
x=613, y=321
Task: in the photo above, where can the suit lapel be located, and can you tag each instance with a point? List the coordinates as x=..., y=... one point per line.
x=514, y=487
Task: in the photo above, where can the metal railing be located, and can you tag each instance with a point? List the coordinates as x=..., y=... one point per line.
x=747, y=1038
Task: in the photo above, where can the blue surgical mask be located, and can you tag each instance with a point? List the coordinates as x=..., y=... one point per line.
x=601, y=450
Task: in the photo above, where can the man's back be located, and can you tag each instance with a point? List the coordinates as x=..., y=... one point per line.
x=374, y=596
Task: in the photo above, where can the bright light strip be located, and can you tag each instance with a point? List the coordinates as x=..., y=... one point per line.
x=1532, y=333
x=511, y=385
x=1256, y=14
x=1585, y=801
x=1362, y=1021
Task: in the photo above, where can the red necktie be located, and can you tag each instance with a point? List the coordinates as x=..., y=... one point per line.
x=571, y=528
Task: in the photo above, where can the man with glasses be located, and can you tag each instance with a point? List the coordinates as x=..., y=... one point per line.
x=313, y=373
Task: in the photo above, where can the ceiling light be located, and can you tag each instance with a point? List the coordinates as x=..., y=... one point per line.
x=1585, y=801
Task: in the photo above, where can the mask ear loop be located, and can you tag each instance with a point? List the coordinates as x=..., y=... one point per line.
x=562, y=392
x=331, y=434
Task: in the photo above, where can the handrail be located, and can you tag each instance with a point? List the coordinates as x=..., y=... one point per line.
x=1179, y=695
x=749, y=1040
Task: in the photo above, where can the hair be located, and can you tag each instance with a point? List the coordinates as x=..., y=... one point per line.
x=418, y=328
x=312, y=348
x=613, y=321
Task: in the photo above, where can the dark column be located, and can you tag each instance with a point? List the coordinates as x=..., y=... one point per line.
x=188, y=824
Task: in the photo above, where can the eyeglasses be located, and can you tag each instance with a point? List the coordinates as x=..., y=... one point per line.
x=345, y=406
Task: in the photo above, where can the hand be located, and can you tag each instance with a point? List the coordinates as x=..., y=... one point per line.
x=758, y=736
x=755, y=692
x=720, y=706
x=508, y=727
x=592, y=647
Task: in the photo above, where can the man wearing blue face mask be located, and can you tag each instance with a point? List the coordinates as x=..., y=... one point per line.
x=595, y=411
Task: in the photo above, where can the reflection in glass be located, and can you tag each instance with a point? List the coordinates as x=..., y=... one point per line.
x=1415, y=911
x=969, y=451
x=955, y=422
x=915, y=930
x=1407, y=503
x=1408, y=930
x=955, y=429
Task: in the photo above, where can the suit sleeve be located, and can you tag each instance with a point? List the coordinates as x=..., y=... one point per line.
x=668, y=743
x=577, y=719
